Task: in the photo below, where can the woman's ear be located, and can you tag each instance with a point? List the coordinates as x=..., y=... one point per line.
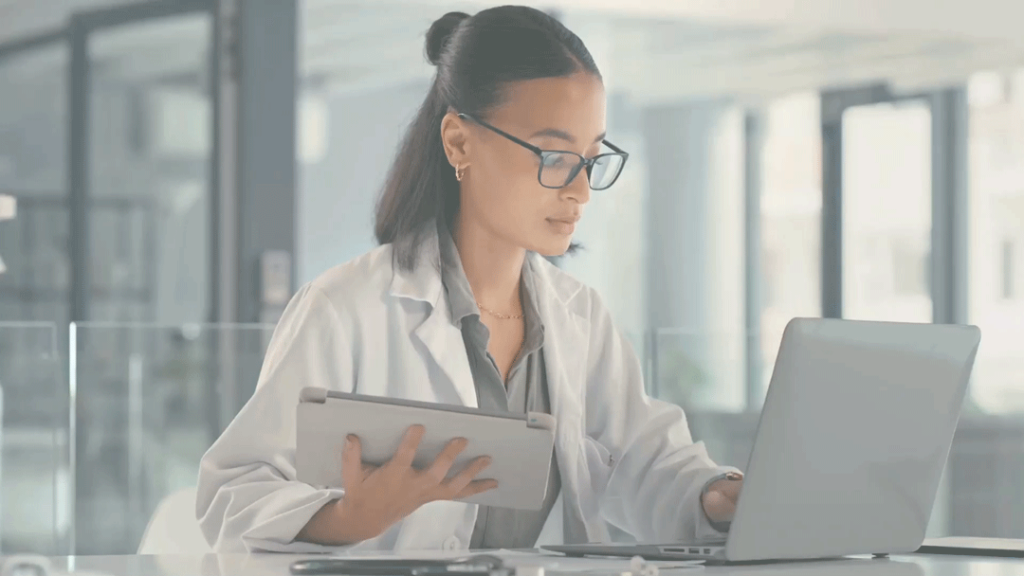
x=455, y=137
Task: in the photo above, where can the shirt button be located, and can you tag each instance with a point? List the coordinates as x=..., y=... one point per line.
x=451, y=543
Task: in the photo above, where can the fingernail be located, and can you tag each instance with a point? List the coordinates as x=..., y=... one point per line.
x=349, y=440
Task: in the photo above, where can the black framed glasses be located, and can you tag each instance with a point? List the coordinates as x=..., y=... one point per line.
x=559, y=167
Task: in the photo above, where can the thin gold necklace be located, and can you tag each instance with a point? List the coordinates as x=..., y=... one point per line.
x=499, y=315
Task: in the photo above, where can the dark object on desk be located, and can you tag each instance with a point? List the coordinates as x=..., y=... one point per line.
x=998, y=547
x=478, y=565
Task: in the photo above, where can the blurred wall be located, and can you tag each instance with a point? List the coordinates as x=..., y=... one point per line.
x=337, y=193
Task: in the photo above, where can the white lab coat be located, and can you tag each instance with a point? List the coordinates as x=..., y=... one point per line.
x=369, y=327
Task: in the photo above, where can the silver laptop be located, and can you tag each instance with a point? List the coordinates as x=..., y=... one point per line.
x=851, y=444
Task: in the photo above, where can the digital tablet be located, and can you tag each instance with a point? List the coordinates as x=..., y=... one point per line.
x=520, y=445
x=961, y=546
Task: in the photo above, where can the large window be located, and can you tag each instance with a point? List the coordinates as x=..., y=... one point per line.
x=695, y=254
x=996, y=245
x=790, y=219
x=887, y=212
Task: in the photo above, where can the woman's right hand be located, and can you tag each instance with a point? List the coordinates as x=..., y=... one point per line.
x=378, y=497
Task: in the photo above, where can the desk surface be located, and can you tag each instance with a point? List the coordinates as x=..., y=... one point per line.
x=277, y=565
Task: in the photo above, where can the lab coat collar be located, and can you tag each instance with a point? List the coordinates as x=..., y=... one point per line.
x=423, y=281
x=442, y=340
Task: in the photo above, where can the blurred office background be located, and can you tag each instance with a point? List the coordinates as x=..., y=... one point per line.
x=181, y=166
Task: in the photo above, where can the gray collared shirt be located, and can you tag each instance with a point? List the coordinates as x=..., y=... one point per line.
x=526, y=391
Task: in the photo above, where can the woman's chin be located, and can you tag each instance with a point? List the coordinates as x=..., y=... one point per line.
x=553, y=248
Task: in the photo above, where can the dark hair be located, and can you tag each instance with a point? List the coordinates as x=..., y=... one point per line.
x=476, y=57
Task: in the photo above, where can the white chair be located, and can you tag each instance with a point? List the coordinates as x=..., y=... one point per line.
x=173, y=528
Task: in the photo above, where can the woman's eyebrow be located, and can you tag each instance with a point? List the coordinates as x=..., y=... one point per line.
x=562, y=135
x=554, y=133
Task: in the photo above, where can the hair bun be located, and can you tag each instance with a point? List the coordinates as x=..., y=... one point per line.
x=440, y=33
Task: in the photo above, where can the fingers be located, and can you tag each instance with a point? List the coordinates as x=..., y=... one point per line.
x=438, y=471
x=463, y=479
x=476, y=487
x=720, y=501
x=718, y=507
x=352, y=463
x=731, y=490
x=406, y=452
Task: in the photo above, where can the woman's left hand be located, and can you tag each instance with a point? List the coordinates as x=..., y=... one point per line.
x=721, y=497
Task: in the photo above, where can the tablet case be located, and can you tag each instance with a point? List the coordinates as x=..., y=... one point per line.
x=520, y=445
x=963, y=546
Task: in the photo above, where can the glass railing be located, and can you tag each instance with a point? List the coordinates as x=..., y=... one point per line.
x=150, y=402
x=35, y=479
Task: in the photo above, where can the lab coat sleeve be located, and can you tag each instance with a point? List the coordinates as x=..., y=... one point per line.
x=247, y=496
x=655, y=471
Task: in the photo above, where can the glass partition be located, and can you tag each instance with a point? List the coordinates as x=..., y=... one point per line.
x=34, y=464
x=33, y=168
x=149, y=141
x=150, y=401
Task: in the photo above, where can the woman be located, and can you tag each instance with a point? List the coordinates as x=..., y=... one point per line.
x=459, y=306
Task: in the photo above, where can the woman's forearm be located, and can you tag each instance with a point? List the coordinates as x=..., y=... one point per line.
x=332, y=525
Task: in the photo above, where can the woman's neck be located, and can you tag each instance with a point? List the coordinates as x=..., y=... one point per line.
x=493, y=266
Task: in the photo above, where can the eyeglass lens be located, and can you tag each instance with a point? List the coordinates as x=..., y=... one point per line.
x=559, y=168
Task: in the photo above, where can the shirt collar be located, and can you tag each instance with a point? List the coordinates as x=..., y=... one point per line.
x=462, y=303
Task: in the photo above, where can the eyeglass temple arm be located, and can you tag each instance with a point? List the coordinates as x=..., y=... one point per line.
x=500, y=132
x=527, y=145
x=615, y=148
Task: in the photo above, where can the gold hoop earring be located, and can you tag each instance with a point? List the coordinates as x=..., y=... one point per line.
x=458, y=172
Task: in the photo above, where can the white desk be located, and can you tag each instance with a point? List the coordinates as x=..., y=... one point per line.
x=277, y=565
